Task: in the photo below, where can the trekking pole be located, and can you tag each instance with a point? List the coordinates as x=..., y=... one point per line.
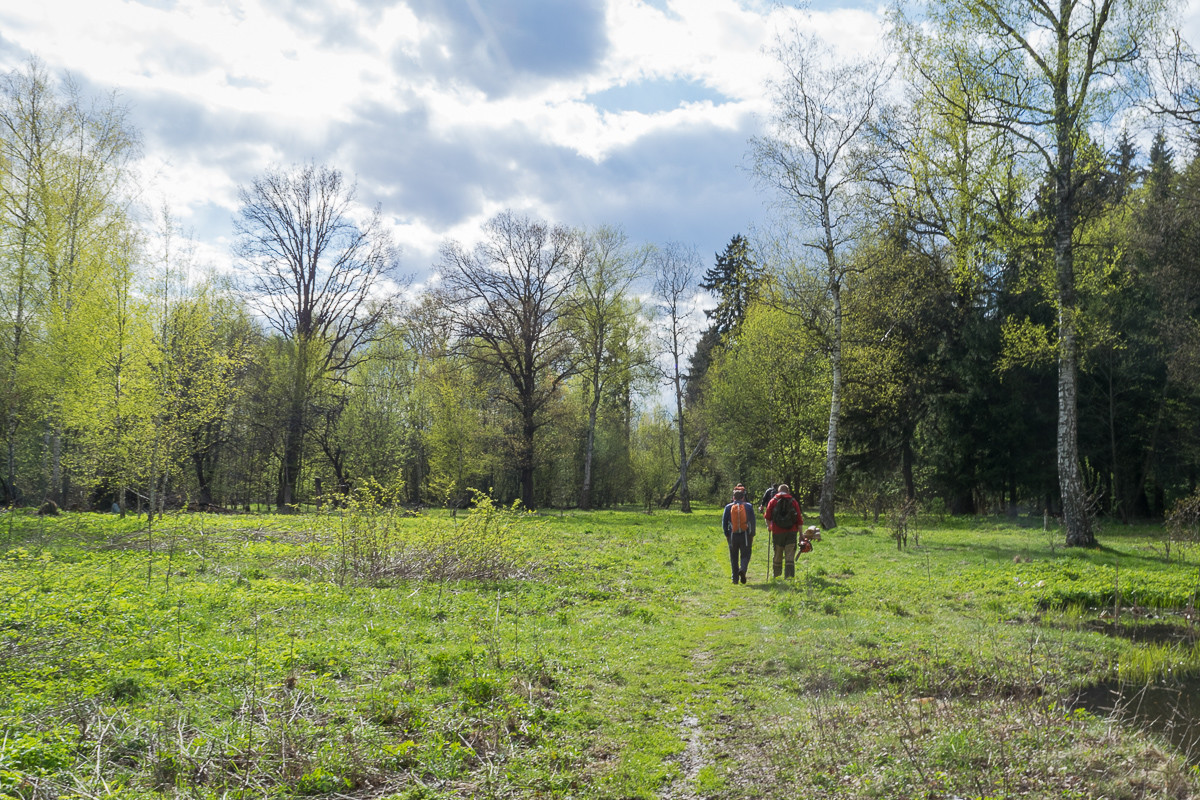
x=767, y=550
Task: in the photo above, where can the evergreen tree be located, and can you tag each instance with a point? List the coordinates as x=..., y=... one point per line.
x=734, y=281
x=1124, y=170
x=1162, y=166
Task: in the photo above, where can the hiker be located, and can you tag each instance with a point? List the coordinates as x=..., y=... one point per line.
x=766, y=498
x=783, y=520
x=738, y=522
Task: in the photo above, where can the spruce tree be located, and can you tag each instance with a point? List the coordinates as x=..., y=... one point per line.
x=733, y=280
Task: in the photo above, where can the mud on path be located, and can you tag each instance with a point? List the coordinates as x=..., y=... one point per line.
x=694, y=756
x=710, y=729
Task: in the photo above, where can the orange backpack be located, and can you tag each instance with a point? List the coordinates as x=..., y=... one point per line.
x=737, y=518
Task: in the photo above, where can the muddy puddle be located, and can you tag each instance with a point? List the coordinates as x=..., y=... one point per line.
x=1170, y=710
x=1147, y=632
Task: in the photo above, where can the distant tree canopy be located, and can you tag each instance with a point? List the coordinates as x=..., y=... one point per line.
x=946, y=271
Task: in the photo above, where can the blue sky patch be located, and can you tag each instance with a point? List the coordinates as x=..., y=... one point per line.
x=648, y=97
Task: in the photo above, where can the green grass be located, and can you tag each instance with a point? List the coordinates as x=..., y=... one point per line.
x=598, y=655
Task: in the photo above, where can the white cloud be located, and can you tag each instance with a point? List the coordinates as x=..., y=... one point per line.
x=719, y=45
x=225, y=89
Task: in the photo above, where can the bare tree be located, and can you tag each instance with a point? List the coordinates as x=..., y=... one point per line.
x=675, y=270
x=323, y=280
x=513, y=292
x=823, y=105
x=1175, y=80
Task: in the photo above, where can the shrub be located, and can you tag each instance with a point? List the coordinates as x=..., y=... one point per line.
x=320, y=782
x=372, y=544
x=479, y=691
x=124, y=687
x=442, y=668
x=1183, y=522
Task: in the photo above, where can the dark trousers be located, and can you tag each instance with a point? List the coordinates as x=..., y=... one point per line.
x=739, y=553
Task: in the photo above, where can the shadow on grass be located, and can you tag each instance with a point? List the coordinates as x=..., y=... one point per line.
x=818, y=584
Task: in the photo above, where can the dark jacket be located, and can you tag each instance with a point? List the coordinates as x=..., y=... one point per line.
x=770, y=514
x=766, y=498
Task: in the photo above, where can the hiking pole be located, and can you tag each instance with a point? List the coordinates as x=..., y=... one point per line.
x=767, y=550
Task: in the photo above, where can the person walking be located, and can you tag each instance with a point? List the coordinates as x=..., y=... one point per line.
x=783, y=520
x=738, y=523
x=766, y=498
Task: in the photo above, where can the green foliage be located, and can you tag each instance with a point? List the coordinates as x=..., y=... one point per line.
x=767, y=405
x=662, y=676
x=461, y=449
x=653, y=456
x=320, y=782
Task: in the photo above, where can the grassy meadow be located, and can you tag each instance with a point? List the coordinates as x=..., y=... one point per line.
x=371, y=654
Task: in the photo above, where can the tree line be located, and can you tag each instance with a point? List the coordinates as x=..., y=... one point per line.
x=966, y=298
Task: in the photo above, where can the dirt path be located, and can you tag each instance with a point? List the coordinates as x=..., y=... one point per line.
x=694, y=756
x=700, y=743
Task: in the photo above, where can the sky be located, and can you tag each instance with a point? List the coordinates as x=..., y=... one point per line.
x=634, y=113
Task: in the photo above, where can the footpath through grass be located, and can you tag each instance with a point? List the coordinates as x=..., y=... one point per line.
x=599, y=655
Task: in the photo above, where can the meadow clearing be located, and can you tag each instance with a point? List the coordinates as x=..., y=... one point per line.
x=369, y=653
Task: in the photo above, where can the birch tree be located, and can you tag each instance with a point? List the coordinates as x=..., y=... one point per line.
x=822, y=107
x=66, y=198
x=1044, y=75
x=675, y=272
x=605, y=323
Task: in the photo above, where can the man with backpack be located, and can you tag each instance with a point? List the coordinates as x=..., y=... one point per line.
x=783, y=520
x=738, y=522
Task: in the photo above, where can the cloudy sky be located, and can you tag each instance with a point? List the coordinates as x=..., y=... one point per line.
x=627, y=112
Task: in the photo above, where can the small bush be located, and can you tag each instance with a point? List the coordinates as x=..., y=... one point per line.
x=371, y=544
x=124, y=687
x=479, y=691
x=320, y=782
x=1183, y=522
x=443, y=667
x=900, y=520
